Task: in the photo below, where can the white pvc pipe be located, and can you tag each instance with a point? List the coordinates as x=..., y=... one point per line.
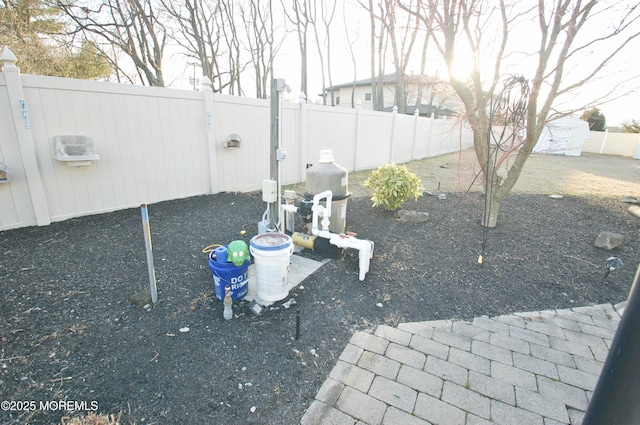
x=319, y=210
x=286, y=208
x=364, y=247
x=149, y=249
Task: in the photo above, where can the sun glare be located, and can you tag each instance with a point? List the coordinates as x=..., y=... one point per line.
x=461, y=68
x=462, y=64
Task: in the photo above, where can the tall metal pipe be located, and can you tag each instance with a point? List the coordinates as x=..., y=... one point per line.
x=149, y=249
x=616, y=397
x=278, y=85
x=273, y=148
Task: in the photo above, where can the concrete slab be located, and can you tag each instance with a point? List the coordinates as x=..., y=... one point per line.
x=299, y=269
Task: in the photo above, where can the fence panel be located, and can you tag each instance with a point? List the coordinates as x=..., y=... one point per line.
x=150, y=150
x=329, y=128
x=612, y=143
x=242, y=169
x=403, y=138
x=158, y=144
x=422, y=138
x=448, y=136
x=373, y=146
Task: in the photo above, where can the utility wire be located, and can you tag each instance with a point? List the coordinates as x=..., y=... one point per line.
x=509, y=108
x=507, y=113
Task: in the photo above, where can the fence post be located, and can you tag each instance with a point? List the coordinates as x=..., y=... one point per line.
x=604, y=140
x=393, y=132
x=24, y=137
x=416, y=121
x=302, y=138
x=357, y=136
x=431, y=119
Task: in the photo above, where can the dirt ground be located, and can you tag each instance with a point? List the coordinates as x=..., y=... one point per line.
x=71, y=342
x=586, y=175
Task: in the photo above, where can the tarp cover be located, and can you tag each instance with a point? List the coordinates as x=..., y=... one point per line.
x=563, y=136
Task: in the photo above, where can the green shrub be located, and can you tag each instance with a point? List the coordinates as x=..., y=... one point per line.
x=392, y=185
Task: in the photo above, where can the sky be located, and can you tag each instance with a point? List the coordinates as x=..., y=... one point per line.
x=287, y=65
x=625, y=67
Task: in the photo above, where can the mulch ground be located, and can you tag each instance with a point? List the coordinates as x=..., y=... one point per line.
x=70, y=333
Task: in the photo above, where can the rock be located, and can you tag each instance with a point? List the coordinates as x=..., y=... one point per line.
x=407, y=216
x=556, y=196
x=142, y=298
x=608, y=240
x=629, y=200
x=634, y=210
x=289, y=303
x=442, y=196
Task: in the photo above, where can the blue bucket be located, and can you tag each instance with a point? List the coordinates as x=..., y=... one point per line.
x=225, y=273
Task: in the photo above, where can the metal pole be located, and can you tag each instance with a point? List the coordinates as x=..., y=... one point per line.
x=275, y=137
x=616, y=397
x=277, y=154
x=149, y=248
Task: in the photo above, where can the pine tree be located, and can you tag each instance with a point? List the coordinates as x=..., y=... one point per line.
x=35, y=34
x=632, y=126
x=595, y=118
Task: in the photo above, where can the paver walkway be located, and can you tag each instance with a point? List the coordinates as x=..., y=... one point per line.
x=525, y=368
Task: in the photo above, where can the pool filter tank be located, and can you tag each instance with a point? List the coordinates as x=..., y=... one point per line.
x=327, y=175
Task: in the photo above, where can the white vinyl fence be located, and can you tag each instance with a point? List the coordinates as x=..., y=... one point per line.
x=156, y=144
x=603, y=142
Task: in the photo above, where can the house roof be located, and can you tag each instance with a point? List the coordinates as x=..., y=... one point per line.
x=386, y=79
x=425, y=110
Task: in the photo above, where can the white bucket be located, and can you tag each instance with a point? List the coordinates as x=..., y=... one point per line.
x=271, y=256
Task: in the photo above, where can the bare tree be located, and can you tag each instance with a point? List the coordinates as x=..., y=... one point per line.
x=326, y=16
x=227, y=38
x=378, y=43
x=312, y=20
x=113, y=54
x=200, y=32
x=263, y=43
x=132, y=25
x=423, y=60
x=327, y=11
x=564, y=31
x=350, y=44
x=399, y=32
x=300, y=18
x=402, y=41
x=226, y=22
x=437, y=92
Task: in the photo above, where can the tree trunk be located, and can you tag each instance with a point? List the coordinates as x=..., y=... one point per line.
x=491, y=208
x=492, y=193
